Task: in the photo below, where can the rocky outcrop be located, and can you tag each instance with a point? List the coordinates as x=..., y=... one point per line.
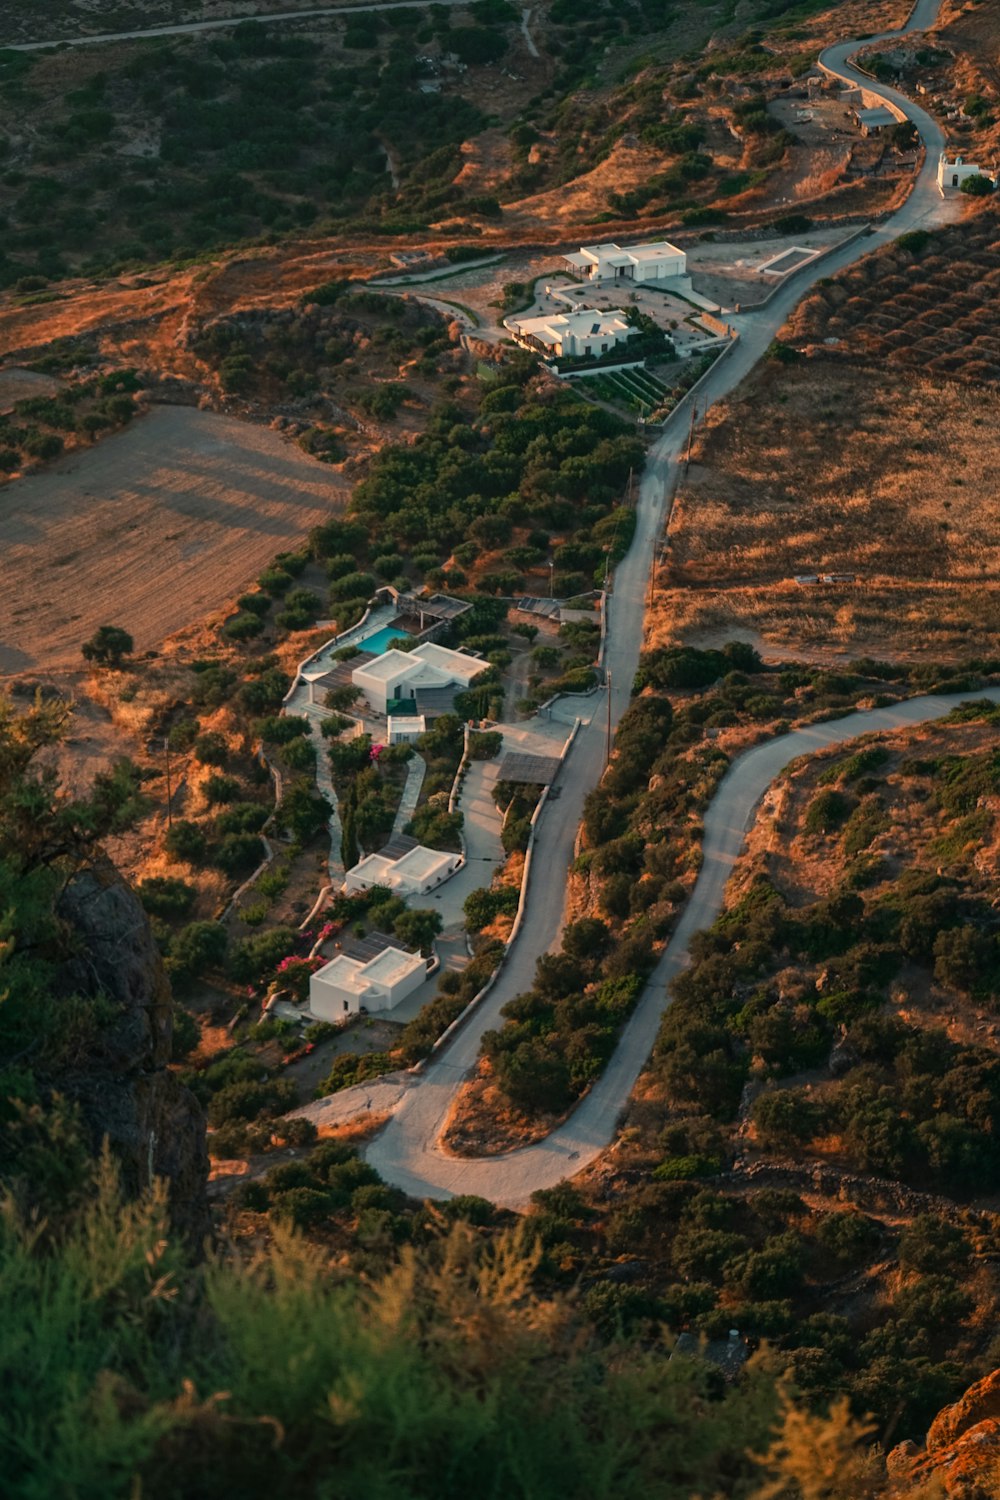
x=154, y=1125
x=962, y=1450
x=875, y=1195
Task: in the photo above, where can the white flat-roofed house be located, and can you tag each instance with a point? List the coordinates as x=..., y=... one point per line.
x=416, y=871
x=397, y=675
x=345, y=986
x=573, y=335
x=659, y=261
x=405, y=729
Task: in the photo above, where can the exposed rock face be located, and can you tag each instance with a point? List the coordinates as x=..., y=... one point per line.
x=980, y=1401
x=155, y=1126
x=962, y=1450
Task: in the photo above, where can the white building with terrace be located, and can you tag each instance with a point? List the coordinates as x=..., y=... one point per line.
x=572, y=335
x=411, y=874
x=659, y=261
x=396, y=676
x=346, y=986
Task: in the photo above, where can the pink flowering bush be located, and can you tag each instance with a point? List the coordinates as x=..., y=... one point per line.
x=293, y=974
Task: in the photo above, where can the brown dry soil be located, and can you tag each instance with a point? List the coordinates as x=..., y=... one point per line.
x=152, y=529
x=823, y=466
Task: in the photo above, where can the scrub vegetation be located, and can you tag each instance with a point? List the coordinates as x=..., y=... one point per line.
x=640, y=858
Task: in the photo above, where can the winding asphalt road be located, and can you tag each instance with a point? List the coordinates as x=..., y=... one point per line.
x=407, y=1152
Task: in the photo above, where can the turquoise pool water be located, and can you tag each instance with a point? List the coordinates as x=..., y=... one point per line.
x=382, y=640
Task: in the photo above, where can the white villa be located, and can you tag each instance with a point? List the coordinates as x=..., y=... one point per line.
x=413, y=873
x=657, y=262
x=398, y=675
x=572, y=334
x=951, y=174
x=346, y=985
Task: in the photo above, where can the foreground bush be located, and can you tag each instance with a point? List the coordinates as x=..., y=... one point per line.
x=441, y=1375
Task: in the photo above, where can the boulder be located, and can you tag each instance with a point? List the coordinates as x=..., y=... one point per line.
x=979, y=1402
x=962, y=1452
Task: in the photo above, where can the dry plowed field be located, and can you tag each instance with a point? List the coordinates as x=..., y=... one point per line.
x=152, y=529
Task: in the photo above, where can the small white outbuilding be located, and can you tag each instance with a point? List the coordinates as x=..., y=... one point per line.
x=951, y=174
x=405, y=729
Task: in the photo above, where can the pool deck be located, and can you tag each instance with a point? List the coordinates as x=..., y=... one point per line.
x=381, y=616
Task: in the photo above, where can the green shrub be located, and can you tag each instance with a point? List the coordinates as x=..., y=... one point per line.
x=239, y=853
x=166, y=896
x=827, y=812
x=197, y=947
x=243, y=627
x=256, y=958
x=249, y=1099
x=185, y=841
x=211, y=749
x=218, y=788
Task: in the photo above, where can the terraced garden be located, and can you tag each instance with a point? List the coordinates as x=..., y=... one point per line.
x=640, y=392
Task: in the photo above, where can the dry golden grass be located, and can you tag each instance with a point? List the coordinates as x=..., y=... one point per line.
x=827, y=467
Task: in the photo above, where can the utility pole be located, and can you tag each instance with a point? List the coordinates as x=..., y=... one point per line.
x=170, y=812
x=694, y=413
x=607, y=747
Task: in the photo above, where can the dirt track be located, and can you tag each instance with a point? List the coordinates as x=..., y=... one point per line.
x=152, y=529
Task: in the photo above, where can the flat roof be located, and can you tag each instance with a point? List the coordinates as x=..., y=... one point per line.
x=388, y=664
x=595, y=319
x=656, y=251
x=652, y=251
x=877, y=115
x=392, y=964
x=340, y=970
x=372, y=866
x=420, y=862
x=459, y=662
x=386, y=967
x=427, y=656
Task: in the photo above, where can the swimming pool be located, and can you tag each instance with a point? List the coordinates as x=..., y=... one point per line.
x=383, y=639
